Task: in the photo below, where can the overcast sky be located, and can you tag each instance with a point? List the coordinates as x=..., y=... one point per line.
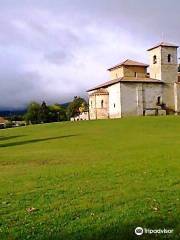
x=53, y=50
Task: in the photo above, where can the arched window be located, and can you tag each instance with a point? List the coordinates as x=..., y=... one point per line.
x=91, y=104
x=114, y=105
x=102, y=103
x=154, y=59
x=169, y=58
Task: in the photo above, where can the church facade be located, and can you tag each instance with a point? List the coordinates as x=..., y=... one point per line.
x=132, y=91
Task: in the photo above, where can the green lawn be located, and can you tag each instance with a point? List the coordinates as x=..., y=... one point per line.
x=90, y=180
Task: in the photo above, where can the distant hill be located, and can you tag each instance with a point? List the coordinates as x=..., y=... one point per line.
x=8, y=113
x=65, y=104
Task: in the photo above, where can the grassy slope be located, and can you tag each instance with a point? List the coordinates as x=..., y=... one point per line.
x=90, y=180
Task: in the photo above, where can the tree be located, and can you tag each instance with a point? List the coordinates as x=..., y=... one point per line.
x=32, y=115
x=57, y=113
x=37, y=113
x=76, y=106
x=44, y=113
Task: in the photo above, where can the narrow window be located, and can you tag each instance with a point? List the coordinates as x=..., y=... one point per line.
x=135, y=74
x=169, y=58
x=91, y=104
x=114, y=105
x=154, y=59
x=159, y=100
x=102, y=103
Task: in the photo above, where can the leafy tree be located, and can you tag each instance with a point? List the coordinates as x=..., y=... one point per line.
x=57, y=113
x=76, y=107
x=37, y=113
x=32, y=115
x=83, y=107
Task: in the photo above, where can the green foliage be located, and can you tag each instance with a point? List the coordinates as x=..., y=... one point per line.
x=94, y=180
x=57, y=113
x=37, y=113
x=76, y=106
x=32, y=115
x=44, y=114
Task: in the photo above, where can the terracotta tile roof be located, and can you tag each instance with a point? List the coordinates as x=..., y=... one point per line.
x=105, y=84
x=127, y=79
x=101, y=91
x=163, y=44
x=3, y=120
x=129, y=62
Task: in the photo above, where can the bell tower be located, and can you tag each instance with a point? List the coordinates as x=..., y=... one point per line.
x=164, y=66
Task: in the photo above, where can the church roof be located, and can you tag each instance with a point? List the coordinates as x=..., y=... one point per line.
x=127, y=80
x=101, y=91
x=129, y=62
x=163, y=44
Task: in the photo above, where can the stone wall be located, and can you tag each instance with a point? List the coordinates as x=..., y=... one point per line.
x=155, y=69
x=151, y=93
x=96, y=110
x=81, y=117
x=114, y=101
x=177, y=97
x=117, y=73
x=129, y=71
x=128, y=99
x=165, y=71
x=169, y=75
x=92, y=106
x=137, y=97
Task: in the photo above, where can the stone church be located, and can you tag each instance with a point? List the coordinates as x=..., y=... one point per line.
x=138, y=89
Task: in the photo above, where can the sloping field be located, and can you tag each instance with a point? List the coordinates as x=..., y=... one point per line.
x=90, y=180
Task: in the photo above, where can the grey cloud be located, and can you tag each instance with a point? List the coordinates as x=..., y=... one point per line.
x=53, y=50
x=59, y=57
x=18, y=89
